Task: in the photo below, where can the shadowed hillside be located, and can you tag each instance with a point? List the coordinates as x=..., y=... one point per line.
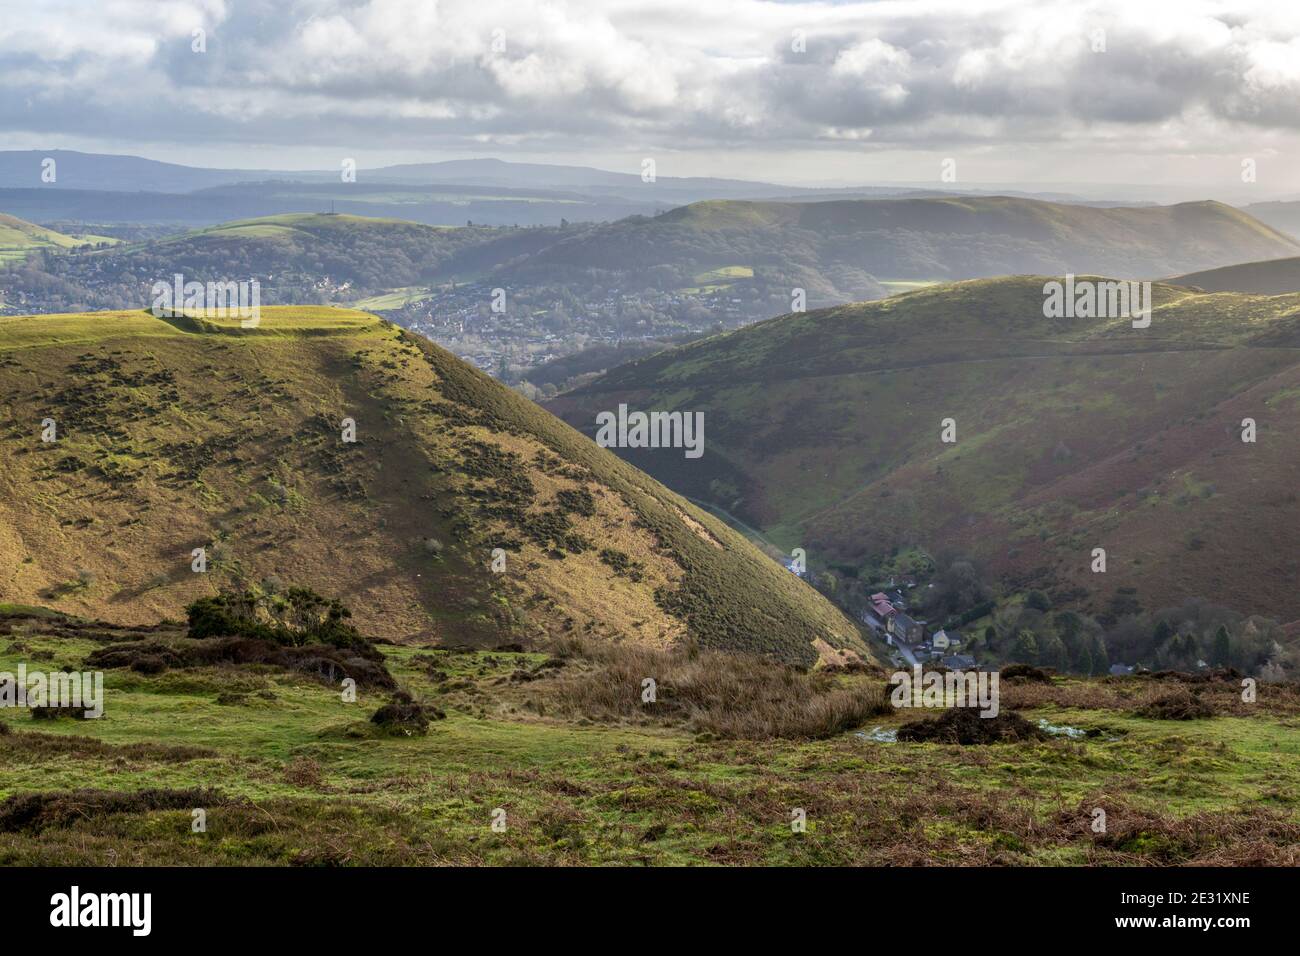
x=173, y=435
x=1271, y=277
x=824, y=430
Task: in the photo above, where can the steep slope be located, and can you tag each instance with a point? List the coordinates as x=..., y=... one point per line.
x=182, y=434
x=1271, y=277
x=824, y=430
x=835, y=244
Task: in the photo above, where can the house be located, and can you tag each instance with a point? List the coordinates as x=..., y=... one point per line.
x=882, y=608
x=1120, y=670
x=959, y=662
x=906, y=629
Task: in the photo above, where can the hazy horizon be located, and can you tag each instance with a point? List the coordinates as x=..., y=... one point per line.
x=1106, y=99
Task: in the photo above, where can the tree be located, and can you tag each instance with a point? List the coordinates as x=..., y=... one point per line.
x=1162, y=633
x=1083, y=660
x=1025, y=650
x=1100, y=659
x=1051, y=653
x=1038, y=601
x=1221, y=655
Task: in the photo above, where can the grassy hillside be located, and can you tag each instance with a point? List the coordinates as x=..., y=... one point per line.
x=369, y=252
x=839, y=246
x=288, y=774
x=824, y=430
x=1271, y=277
x=299, y=257
x=186, y=433
x=19, y=238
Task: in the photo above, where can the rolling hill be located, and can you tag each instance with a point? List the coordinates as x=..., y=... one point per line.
x=297, y=257
x=1281, y=215
x=824, y=430
x=839, y=249
x=1271, y=277
x=19, y=238
x=185, y=433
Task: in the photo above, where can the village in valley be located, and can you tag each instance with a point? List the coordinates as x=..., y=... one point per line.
x=891, y=616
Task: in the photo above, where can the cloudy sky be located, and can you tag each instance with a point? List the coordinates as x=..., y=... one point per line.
x=1031, y=92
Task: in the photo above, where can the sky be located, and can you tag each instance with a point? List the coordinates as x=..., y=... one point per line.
x=1154, y=93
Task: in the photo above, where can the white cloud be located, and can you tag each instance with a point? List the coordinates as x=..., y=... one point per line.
x=671, y=73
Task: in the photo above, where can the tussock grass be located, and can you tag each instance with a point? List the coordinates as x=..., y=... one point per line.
x=710, y=692
x=1137, y=695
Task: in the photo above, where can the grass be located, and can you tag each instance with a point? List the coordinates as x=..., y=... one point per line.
x=393, y=299
x=715, y=280
x=19, y=238
x=299, y=779
x=895, y=286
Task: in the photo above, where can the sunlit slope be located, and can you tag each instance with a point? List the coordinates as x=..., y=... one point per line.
x=180, y=434
x=824, y=429
x=19, y=238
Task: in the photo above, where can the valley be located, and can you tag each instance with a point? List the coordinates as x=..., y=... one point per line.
x=826, y=432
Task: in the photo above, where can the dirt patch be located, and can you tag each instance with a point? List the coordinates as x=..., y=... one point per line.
x=700, y=531
x=837, y=660
x=963, y=725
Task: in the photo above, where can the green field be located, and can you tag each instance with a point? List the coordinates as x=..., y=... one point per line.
x=895, y=286
x=715, y=280
x=393, y=299
x=19, y=239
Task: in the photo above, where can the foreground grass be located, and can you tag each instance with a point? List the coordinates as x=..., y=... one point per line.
x=297, y=776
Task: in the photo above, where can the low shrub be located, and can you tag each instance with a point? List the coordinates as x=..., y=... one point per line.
x=963, y=725
x=1176, y=705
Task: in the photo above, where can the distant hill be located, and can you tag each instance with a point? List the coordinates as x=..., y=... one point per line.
x=98, y=187
x=823, y=430
x=439, y=205
x=1284, y=216
x=22, y=169
x=292, y=256
x=838, y=249
x=1271, y=277
x=189, y=433
x=18, y=238
x=118, y=173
